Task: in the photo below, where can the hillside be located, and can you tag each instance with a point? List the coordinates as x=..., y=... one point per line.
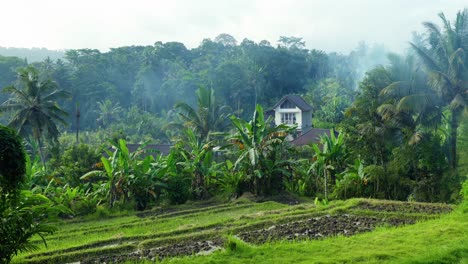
x=32, y=54
x=264, y=232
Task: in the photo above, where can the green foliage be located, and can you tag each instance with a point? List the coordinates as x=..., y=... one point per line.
x=74, y=163
x=33, y=103
x=21, y=220
x=22, y=214
x=230, y=182
x=329, y=100
x=444, y=57
x=126, y=175
x=198, y=161
x=259, y=152
x=352, y=182
x=329, y=158
x=12, y=161
x=209, y=116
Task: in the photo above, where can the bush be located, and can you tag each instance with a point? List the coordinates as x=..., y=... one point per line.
x=178, y=189
x=22, y=213
x=12, y=160
x=75, y=162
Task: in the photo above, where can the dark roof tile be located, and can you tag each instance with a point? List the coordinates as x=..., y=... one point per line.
x=295, y=99
x=311, y=136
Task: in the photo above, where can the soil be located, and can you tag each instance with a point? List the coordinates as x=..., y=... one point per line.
x=184, y=248
x=406, y=207
x=311, y=228
x=319, y=227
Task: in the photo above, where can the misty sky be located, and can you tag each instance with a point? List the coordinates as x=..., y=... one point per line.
x=330, y=25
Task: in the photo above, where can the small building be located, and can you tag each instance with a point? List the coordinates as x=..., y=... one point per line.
x=294, y=110
x=153, y=149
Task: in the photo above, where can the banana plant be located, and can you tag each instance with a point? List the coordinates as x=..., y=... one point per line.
x=125, y=174
x=199, y=162
x=328, y=158
x=260, y=145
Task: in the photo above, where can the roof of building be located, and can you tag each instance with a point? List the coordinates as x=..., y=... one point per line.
x=311, y=136
x=295, y=99
x=162, y=149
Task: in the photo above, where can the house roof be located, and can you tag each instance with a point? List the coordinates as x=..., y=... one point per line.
x=311, y=136
x=162, y=149
x=295, y=99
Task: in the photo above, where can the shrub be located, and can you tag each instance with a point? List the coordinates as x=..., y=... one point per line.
x=22, y=213
x=12, y=160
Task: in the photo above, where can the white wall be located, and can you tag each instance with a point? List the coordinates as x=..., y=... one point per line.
x=295, y=110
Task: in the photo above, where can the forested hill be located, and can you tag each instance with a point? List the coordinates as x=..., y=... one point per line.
x=33, y=54
x=154, y=78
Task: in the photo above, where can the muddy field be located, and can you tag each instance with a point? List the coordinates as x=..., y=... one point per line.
x=185, y=248
x=319, y=227
x=406, y=207
x=362, y=217
x=312, y=228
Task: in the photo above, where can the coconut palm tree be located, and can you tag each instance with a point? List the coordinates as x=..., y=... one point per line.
x=409, y=103
x=207, y=118
x=108, y=112
x=33, y=102
x=446, y=62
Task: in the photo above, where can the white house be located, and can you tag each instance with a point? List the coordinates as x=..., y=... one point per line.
x=291, y=110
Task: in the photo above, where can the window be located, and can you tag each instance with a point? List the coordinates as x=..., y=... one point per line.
x=288, y=118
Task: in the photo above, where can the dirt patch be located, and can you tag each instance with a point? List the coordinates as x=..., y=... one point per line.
x=184, y=248
x=406, y=207
x=319, y=227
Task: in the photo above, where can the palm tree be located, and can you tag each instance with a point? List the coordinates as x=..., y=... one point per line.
x=207, y=118
x=107, y=111
x=409, y=103
x=446, y=62
x=34, y=105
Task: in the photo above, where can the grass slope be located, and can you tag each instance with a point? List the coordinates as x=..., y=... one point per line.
x=433, y=239
x=443, y=240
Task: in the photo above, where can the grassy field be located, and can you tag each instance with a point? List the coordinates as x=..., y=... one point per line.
x=275, y=233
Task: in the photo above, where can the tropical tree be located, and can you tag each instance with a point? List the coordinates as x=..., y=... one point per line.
x=409, y=103
x=329, y=158
x=126, y=174
x=207, y=118
x=444, y=56
x=107, y=112
x=198, y=162
x=260, y=147
x=34, y=105
x=22, y=214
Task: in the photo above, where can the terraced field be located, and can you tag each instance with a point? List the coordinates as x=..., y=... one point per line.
x=194, y=229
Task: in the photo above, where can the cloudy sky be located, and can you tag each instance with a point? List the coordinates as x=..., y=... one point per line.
x=330, y=25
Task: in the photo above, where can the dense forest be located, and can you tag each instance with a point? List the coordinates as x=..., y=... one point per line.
x=401, y=120
x=152, y=79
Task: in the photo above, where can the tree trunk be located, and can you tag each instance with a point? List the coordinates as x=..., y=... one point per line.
x=78, y=114
x=39, y=143
x=453, y=139
x=326, y=183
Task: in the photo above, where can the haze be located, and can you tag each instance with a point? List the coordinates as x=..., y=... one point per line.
x=329, y=25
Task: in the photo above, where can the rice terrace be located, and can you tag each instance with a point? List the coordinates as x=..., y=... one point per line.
x=245, y=229
x=247, y=131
